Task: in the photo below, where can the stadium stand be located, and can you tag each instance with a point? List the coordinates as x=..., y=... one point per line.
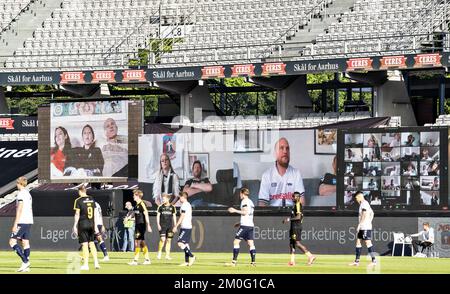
x=307, y=120
x=18, y=137
x=240, y=30
x=68, y=38
x=10, y=10
x=442, y=120
x=393, y=27
x=205, y=31
x=71, y=28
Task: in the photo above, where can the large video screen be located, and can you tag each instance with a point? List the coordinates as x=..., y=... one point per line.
x=402, y=168
x=272, y=164
x=197, y=163
x=89, y=141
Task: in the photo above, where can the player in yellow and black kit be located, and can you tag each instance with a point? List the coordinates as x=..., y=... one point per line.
x=165, y=218
x=142, y=223
x=85, y=227
x=295, y=231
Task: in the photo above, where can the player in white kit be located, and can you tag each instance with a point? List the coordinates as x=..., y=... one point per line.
x=21, y=229
x=364, y=229
x=185, y=224
x=101, y=230
x=246, y=226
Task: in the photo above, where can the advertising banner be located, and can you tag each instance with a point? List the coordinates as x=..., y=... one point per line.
x=17, y=158
x=18, y=125
x=369, y=63
x=322, y=235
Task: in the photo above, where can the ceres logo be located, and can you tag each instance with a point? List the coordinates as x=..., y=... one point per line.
x=103, y=76
x=75, y=77
x=428, y=60
x=134, y=75
x=278, y=68
x=213, y=71
x=359, y=64
x=243, y=69
x=393, y=62
x=7, y=123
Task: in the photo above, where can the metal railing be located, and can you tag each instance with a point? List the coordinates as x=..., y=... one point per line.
x=211, y=55
x=433, y=17
x=10, y=24
x=167, y=39
x=149, y=20
x=320, y=7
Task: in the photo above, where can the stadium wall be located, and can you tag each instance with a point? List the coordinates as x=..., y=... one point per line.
x=322, y=235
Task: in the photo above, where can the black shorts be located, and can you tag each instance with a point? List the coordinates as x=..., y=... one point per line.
x=365, y=234
x=86, y=232
x=23, y=232
x=244, y=233
x=295, y=234
x=184, y=236
x=166, y=232
x=139, y=232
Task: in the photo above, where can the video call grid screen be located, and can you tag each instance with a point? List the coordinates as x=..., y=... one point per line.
x=402, y=168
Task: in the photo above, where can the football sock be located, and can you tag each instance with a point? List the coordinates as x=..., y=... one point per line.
x=85, y=249
x=19, y=252
x=235, y=253
x=371, y=252
x=160, y=246
x=168, y=242
x=253, y=253
x=188, y=251
x=136, y=253
x=103, y=248
x=292, y=247
x=93, y=252
x=145, y=250
x=358, y=254
x=26, y=252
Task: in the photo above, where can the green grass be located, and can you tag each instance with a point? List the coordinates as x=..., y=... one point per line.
x=214, y=263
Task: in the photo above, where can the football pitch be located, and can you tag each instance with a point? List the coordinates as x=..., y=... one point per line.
x=215, y=263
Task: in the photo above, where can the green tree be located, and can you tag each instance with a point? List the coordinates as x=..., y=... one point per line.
x=158, y=47
x=247, y=103
x=28, y=105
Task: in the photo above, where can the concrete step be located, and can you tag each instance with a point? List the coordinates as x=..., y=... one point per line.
x=308, y=34
x=340, y=6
